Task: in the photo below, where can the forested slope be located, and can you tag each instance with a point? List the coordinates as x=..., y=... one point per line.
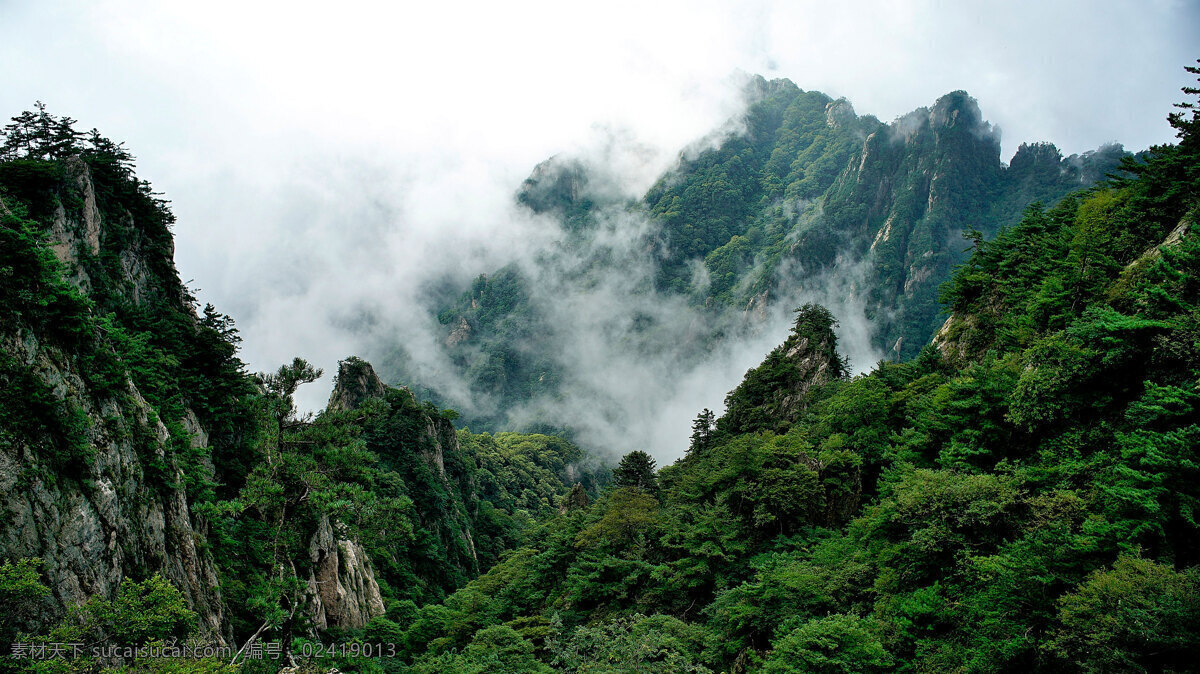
x=1021, y=496
x=151, y=489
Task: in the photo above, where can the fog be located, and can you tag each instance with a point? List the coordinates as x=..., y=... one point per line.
x=327, y=165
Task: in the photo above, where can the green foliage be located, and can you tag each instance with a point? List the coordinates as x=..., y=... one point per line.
x=805, y=194
x=836, y=643
x=527, y=472
x=432, y=506
x=721, y=206
x=151, y=615
x=1020, y=497
x=32, y=416
x=491, y=326
x=34, y=290
x=91, y=320
x=152, y=610
x=636, y=471
x=22, y=594
x=638, y=643
x=493, y=649
x=40, y=135
x=1138, y=616
x=774, y=394
x=702, y=431
x=630, y=515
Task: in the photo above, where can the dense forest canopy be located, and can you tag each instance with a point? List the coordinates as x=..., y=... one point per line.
x=1021, y=495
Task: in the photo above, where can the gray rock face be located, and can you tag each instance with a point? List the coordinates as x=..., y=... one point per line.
x=116, y=520
x=342, y=603
x=356, y=382
x=341, y=587
x=813, y=368
x=121, y=511
x=460, y=333
x=73, y=235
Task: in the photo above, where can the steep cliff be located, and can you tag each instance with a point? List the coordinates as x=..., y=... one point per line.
x=342, y=588
x=100, y=458
x=355, y=383
x=421, y=445
x=134, y=446
x=917, y=187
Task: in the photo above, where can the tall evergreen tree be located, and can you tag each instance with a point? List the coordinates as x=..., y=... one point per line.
x=702, y=430
x=636, y=470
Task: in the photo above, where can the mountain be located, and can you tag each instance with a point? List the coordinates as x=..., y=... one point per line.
x=115, y=391
x=1020, y=496
x=151, y=489
x=803, y=199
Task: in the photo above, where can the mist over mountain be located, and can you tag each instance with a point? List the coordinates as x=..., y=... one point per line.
x=1019, y=494
x=636, y=310
x=474, y=337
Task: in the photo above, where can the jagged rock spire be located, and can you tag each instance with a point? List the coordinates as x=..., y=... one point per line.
x=356, y=381
x=775, y=394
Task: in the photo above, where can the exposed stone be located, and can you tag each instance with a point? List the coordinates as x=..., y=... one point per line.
x=112, y=517
x=112, y=522
x=342, y=588
x=757, y=308
x=356, y=381
x=777, y=392
x=462, y=331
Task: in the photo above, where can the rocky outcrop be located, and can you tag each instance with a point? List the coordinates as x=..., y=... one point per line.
x=774, y=395
x=355, y=382
x=555, y=186
x=1154, y=252
x=813, y=367
x=440, y=440
x=433, y=442
x=461, y=331
x=109, y=503
x=124, y=515
x=342, y=588
x=576, y=500
x=77, y=234
x=915, y=185
x=903, y=201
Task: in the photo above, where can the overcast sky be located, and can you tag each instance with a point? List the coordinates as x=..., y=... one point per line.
x=324, y=158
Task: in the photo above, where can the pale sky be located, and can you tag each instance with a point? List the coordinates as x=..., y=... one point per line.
x=324, y=158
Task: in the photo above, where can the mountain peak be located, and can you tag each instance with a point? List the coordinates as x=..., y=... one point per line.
x=773, y=395
x=356, y=382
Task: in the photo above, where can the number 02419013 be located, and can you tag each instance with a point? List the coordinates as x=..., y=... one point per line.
x=354, y=649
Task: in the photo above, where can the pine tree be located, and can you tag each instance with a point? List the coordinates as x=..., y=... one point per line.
x=702, y=429
x=636, y=470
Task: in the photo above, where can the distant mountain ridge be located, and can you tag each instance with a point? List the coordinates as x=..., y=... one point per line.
x=806, y=196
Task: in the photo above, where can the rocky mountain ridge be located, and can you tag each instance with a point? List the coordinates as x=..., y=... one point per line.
x=803, y=200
